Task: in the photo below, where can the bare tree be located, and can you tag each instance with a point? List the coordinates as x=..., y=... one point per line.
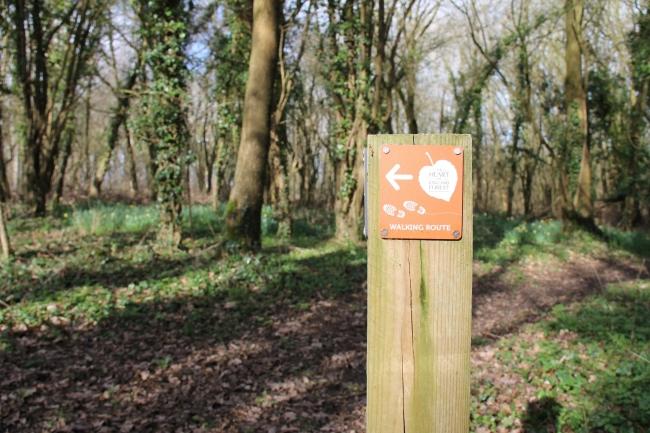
x=52, y=50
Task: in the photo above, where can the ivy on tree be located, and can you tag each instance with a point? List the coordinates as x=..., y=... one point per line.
x=162, y=120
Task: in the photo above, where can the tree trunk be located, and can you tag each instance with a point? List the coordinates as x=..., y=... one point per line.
x=477, y=151
x=65, y=157
x=133, y=168
x=278, y=149
x=279, y=187
x=352, y=107
x=349, y=187
x=527, y=191
x=118, y=118
x=48, y=108
x=576, y=106
x=560, y=190
x=203, y=157
x=4, y=180
x=513, y=160
x=243, y=216
x=219, y=163
x=5, y=246
x=165, y=29
x=636, y=155
x=152, y=167
x=409, y=106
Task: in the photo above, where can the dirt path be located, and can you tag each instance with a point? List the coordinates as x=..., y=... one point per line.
x=504, y=299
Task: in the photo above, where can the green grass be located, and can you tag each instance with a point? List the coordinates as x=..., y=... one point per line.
x=500, y=241
x=588, y=363
x=102, y=220
x=96, y=257
x=635, y=242
x=100, y=264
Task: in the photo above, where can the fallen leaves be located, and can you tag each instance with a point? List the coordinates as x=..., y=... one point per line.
x=266, y=345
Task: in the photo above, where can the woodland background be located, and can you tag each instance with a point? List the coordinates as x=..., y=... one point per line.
x=555, y=95
x=181, y=194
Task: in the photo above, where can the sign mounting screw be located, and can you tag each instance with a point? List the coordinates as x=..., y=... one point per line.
x=458, y=151
x=386, y=149
x=456, y=234
x=384, y=233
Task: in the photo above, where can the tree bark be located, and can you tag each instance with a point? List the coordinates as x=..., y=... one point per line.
x=5, y=246
x=576, y=106
x=477, y=154
x=165, y=29
x=118, y=117
x=243, y=215
x=349, y=178
x=279, y=179
x=634, y=162
x=353, y=105
x=152, y=167
x=133, y=168
x=4, y=180
x=65, y=157
x=218, y=194
x=513, y=160
x=48, y=109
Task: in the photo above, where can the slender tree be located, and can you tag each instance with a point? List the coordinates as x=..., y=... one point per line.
x=4, y=91
x=280, y=150
x=244, y=209
x=637, y=156
x=118, y=118
x=576, y=106
x=5, y=246
x=230, y=50
x=347, y=58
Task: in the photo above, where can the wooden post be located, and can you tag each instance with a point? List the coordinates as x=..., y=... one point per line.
x=419, y=314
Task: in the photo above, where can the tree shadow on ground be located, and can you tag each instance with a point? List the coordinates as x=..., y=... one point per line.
x=290, y=354
x=617, y=322
x=541, y=416
x=490, y=229
x=501, y=305
x=99, y=265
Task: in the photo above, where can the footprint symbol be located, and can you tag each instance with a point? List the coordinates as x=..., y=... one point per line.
x=410, y=205
x=390, y=209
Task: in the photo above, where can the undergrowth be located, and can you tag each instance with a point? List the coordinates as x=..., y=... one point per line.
x=589, y=363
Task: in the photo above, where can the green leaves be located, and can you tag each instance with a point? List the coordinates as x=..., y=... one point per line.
x=162, y=121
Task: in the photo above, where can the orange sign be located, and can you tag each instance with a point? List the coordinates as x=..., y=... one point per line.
x=421, y=192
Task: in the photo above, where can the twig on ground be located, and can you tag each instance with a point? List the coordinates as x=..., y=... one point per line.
x=643, y=358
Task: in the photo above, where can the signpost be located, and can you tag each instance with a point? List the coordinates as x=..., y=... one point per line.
x=419, y=205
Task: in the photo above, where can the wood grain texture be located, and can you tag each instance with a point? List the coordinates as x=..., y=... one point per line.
x=419, y=315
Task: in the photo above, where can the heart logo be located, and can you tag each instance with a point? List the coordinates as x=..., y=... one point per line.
x=439, y=179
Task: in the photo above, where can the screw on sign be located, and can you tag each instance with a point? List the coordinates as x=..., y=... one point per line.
x=421, y=192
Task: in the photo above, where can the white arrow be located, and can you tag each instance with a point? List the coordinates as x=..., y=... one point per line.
x=393, y=177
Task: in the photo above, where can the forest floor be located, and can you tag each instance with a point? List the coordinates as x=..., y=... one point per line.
x=101, y=332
